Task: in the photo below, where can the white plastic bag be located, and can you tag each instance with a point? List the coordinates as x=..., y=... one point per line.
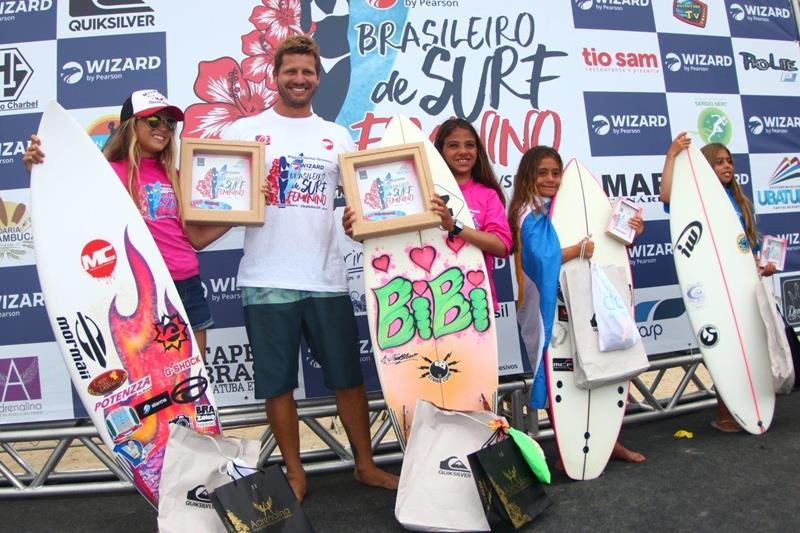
x=616, y=329
x=437, y=491
x=593, y=368
x=194, y=465
x=780, y=354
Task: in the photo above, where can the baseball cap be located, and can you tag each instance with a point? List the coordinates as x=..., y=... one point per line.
x=145, y=103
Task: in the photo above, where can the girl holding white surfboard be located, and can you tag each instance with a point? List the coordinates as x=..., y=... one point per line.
x=461, y=148
x=721, y=161
x=540, y=255
x=142, y=152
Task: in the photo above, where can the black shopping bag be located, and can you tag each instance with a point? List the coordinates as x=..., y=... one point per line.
x=262, y=501
x=511, y=494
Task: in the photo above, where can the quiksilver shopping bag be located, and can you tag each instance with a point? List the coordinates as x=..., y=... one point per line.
x=194, y=465
x=437, y=492
x=780, y=352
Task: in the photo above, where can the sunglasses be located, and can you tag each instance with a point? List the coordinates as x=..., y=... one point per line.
x=154, y=121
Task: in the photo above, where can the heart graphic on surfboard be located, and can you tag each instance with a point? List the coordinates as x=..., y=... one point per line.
x=475, y=277
x=423, y=257
x=455, y=244
x=381, y=263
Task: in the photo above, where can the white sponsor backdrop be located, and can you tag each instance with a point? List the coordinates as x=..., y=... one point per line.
x=605, y=81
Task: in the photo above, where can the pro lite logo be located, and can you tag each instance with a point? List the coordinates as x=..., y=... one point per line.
x=689, y=238
x=602, y=61
x=19, y=381
x=714, y=126
x=708, y=336
x=741, y=12
x=99, y=258
x=691, y=12
x=774, y=125
x=453, y=466
x=751, y=61
x=109, y=68
x=14, y=74
x=92, y=15
x=439, y=370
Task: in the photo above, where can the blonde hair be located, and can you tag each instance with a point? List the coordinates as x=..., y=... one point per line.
x=123, y=145
x=710, y=151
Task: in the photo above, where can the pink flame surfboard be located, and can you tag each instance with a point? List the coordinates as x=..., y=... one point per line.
x=113, y=307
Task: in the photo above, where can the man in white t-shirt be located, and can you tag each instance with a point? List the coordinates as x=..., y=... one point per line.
x=292, y=274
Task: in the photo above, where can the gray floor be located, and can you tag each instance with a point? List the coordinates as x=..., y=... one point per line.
x=712, y=482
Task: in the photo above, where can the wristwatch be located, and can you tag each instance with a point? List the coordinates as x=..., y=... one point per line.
x=457, y=227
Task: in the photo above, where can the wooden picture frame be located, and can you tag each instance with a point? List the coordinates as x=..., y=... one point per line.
x=221, y=181
x=389, y=189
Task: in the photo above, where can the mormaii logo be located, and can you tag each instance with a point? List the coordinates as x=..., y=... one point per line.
x=386, y=4
x=98, y=258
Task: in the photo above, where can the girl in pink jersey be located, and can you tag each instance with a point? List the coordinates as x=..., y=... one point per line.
x=142, y=151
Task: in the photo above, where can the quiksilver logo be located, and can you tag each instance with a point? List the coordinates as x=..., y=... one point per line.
x=453, y=466
x=689, y=238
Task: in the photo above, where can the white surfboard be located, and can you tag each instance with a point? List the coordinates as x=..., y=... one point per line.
x=451, y=357
x=586, y=423
x=718, y=280
x=113, y=306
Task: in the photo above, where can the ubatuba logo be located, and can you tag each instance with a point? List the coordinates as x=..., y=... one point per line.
x=691, y=12
x=787, y=169
x=19, y=380
x=15, y=72
x=783, y=192
x=689, y=238
x=92, y=15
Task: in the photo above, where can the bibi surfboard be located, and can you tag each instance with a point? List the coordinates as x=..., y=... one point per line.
x=586, y=423
x=429, y=307
x=113, y=307
x=718, y=280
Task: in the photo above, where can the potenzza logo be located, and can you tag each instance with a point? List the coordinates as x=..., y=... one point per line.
x=98, y=15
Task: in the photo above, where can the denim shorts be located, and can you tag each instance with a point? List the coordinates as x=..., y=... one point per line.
x=194, y=301
x=326, y=323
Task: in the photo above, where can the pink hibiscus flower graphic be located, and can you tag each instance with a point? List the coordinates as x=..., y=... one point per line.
x=230, y=90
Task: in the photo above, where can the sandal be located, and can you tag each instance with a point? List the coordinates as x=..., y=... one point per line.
x=727, y=426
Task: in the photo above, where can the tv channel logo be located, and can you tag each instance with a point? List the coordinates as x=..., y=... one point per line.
x=627, y=123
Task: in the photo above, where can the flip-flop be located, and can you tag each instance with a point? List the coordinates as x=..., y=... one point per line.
x=727, y=426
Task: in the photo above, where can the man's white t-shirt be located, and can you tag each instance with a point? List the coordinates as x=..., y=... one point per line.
x=297, y=247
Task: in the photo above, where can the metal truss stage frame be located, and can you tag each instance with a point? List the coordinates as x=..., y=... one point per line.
x=19, y=478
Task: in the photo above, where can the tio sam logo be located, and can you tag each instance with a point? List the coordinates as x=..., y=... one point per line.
x=14, y=74
x=714, y=126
